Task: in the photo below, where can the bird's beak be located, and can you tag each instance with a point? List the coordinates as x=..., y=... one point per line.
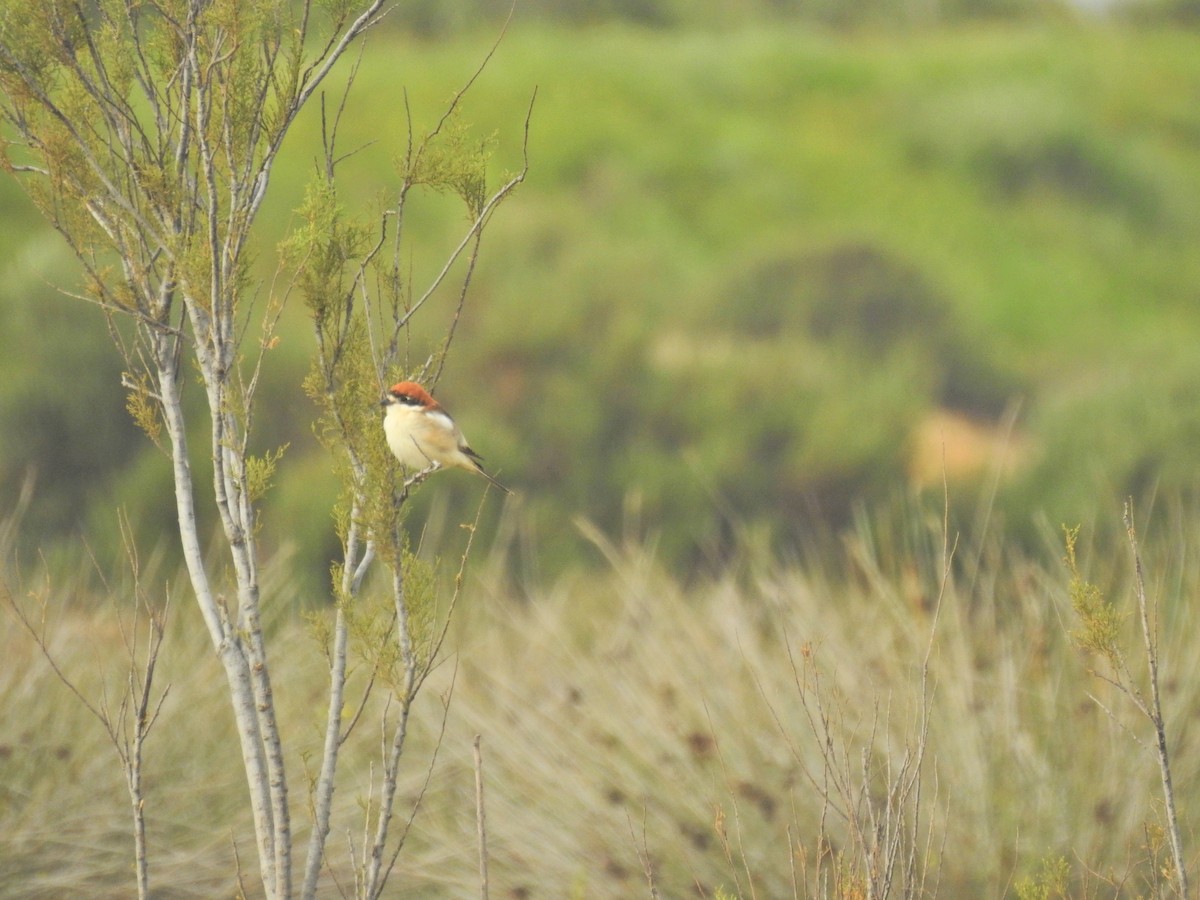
x=385, y=401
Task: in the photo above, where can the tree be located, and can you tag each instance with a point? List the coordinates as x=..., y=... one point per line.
x=146, y=133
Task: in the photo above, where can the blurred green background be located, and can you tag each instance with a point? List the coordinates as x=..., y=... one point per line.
x=774, y=263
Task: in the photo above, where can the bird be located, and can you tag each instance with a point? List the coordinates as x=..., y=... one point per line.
x=420, y=433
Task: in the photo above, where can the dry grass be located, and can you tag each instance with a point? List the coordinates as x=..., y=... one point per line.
x=645, y=735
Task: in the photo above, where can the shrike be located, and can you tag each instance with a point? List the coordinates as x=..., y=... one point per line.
x=421, y=433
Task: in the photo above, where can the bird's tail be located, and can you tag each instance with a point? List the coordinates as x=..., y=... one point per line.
x=480, y=470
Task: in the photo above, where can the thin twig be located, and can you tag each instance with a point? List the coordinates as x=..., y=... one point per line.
x=642, y=849
x=480, y=819
x=1150, y=642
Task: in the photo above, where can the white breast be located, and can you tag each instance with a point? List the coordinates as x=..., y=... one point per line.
x=404, y=427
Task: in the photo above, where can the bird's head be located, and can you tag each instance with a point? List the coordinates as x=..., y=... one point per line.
x=409, y=393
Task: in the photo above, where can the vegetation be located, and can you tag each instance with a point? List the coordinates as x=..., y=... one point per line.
x=633, y=723
x=766, y=287
x=147, y=137
x=1023, y=212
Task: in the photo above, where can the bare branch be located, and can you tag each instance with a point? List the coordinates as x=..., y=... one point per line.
x=1150, y=644
x=480, y=221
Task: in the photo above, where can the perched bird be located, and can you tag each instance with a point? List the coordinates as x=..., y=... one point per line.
x=421, y=433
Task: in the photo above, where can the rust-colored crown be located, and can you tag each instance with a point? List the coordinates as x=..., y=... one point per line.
x=414, y=390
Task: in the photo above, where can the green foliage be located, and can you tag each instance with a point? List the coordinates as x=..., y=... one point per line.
x=1185, y=13
x=142, y=409
x=1101, y=623
x=454, y=160
x=324, y=249
x=371, y=620
x=362, y=306
x=373, y=623
x=976, y=218
x=1050, y=883
x=171, y=181
x=1117, y=428
x=327, y=253
x=260, y=470
x=421, y=579
x=432, y=18
x=877, y=309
